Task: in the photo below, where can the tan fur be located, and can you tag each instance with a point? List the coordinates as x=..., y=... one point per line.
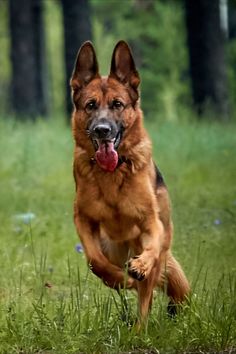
x=123, y=214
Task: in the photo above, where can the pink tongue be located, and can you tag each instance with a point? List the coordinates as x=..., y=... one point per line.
x=106, y=156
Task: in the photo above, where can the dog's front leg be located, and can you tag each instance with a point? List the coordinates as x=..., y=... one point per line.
x=148, y=249
x=145, y=295
x=111, y=275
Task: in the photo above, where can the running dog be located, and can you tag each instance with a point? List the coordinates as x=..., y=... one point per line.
x=122, y=208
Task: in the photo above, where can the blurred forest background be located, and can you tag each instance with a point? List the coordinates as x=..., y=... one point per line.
x=184, y=49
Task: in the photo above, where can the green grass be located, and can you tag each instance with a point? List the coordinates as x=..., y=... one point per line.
x=50, y=303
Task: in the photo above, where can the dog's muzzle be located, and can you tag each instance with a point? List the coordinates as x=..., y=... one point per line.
x=106, y=136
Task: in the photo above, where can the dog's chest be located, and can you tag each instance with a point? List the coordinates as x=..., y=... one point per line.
x=119, y=222
x=118, y=205
x=107, y=202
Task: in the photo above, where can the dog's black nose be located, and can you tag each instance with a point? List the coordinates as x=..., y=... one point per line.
x=102, y=131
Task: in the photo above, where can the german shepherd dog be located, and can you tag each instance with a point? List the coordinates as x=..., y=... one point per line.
x=122, y=208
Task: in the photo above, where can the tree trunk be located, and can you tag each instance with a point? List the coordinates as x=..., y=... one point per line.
x=28, y=91
x=206, y=41
x=40, y=57
x=77, y=29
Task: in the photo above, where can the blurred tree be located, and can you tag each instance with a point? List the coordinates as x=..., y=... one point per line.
x=28, y=84
x=232, y=54
x=77, y=29
x=232, y=19
x=206, y=43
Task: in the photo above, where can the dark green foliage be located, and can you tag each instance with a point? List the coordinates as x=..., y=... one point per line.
x=155, y=31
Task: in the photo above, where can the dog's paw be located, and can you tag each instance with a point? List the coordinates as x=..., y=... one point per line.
x=136, y=268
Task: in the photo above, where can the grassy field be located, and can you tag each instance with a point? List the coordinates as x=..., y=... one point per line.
x=49, y=301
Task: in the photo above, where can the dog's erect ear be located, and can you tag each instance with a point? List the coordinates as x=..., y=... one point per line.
x=123, y=66
x=86, y=66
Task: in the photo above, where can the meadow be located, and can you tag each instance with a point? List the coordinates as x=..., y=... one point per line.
x=50, y=303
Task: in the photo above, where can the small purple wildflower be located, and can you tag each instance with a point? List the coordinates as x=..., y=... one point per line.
x=217, y=221
x=79, y=248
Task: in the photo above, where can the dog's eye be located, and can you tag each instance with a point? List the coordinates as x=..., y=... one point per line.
x=91, y=105
x=116, y=104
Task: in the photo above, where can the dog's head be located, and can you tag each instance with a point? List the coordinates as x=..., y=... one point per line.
x=104, y=106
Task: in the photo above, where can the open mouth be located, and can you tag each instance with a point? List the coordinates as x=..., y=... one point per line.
x=106, y=152
x=115, y=141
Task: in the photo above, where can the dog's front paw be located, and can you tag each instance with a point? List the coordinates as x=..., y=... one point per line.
x=136, y=268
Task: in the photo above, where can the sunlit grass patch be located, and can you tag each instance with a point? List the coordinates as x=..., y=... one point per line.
x=51, y=303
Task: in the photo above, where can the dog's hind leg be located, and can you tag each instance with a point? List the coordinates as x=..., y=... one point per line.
x=174, y=282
